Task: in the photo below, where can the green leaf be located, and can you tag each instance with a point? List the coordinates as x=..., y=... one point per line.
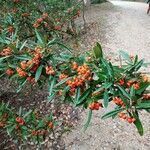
x=23, y=57
x=83, y=97
x=39, y=37
x=97, y=51
x=139, y=125
x=126, y=56
x=77, y=95
x=62, y=81
x=112, y=113
x=106, y=99
x=108, y=68
x=139, y=64
x=51, y=84
x=143, y=87
x=124, y=92
x=132, y=92
x=143, y=105
x=10, y=129
x=23, y=45
x=38, y=73
x=88, y=120
x=21, y=85
x=40, y=124
x=3, y=58
x=51, y=97
x=27, y=113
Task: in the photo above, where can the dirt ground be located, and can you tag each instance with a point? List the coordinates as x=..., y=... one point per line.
x=118, y=25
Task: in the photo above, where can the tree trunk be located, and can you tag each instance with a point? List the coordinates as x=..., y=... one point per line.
x=87, y=2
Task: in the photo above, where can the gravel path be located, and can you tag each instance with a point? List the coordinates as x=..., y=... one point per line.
x=121, y=26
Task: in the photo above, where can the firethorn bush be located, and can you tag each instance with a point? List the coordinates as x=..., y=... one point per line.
x=53, y=18
x=25, y=125
x=88, y=80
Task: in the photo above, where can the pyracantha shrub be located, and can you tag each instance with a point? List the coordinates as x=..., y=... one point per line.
x=89, y=81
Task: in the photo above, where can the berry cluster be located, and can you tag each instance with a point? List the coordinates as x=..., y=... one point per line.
x=39, y=21
x=146, y=96
x=39, y=132
x=10, y=29
x=50, y=70
x=145, y=78
x=6, y=51
x=83, y=75
x=21, y=72
x=125, y=117
x=95, y=106
x=118, y=101
x=20, y=121
x=135, y=84
x=9, y=72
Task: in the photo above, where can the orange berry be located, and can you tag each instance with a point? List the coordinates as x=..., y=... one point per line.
x=51, y=125
x=74, y=66
x=62, y=76
x=36, y=25
x=9, y=72
x=45, y=15
x=129, y=83
x=122, y=115
x=34, y=133
x=145, y=78
x=57, y=28
x=20, y=121
x=95, y=105
x=121, y=82
x=146, y=96
x=136, y=86
x=2, y=124
x=39, y=20
x=25, y=14
x=10, y=29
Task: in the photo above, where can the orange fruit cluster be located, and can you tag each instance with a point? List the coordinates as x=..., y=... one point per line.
x=25, y=64
x=125, y=117
x=135, y=84
x=6, y=51
x=2, y=124
x=21, y=72
x=31, y=79
x=10, y=29
x=39, y=21
x=25, y=14
x=50, y=70
x=95, y=106
x=37, y=56
x=146, y=96
x=121, y=82
x=63, y=76
x=50, y=125
x=145, y=78
x=83, y=74
x=118, y=101
x=9, y=72
x=20, y=121
x=58, y=27
x=39, y=132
